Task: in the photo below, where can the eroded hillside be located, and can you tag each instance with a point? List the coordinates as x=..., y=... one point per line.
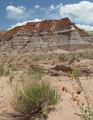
x=46, y=36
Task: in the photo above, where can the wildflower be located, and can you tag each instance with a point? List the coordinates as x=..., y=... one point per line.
x=72, y=93
x=78, y=101
x=87, y=97
x=74, y=99
x=69, y=74
x=63, y=88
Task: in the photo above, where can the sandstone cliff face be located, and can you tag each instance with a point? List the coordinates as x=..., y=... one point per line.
x=46, y=35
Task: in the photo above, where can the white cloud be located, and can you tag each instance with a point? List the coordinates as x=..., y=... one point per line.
x=52, y=7
x=37, y=6
x=23, y=23
x=58, y=6
x=15, y=12
x=81, y=12
x=42, y=8
x=85, y=27
x=18, y=10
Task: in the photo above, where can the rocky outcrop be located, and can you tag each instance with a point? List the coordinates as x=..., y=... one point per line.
x=46, y=35
x=2, y=32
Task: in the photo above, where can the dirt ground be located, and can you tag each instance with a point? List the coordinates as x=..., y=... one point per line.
x=66, y=109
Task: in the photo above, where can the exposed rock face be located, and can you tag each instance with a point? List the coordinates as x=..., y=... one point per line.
x=46, y=35
x=2, y=32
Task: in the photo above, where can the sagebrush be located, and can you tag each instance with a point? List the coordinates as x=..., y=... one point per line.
x=34, y=97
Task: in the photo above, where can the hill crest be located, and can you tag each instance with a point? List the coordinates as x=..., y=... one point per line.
x=45, y=36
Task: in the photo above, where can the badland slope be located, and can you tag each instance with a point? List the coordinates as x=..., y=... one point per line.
x=45, y=36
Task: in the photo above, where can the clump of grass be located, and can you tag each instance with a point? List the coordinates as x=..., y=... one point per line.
x=62, y=58
x=14, y=69
x=7, y=72
x=19, y=58
x=71, y=60
x=1, y=70
x=80, y=55
x=77, y=72
x=36, y=59
x=11, y=59
x=11, y=78
x=30, y=56
x=10, y=65
x=37, y=71
x=34, y=97
x=25, y=60
x=22, y=76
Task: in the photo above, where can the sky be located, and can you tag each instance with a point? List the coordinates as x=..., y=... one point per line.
x=18, y=12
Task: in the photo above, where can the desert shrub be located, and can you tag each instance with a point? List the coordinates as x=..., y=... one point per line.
x=30, y=56
x=22, y=76
x=36, y=59
x=13, y=69
x=11, y=59
x=73, y=55
x=20, y=58
x=25, y=60
x=71, y=60
x=77, y=72
x=7, y=72
x=37, y=71
x=1, y=70
x=11, y=79
x=81, y=54
x=10, y=65
x=34, y=97
x=62, y=58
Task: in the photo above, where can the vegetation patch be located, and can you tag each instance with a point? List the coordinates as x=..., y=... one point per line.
x=77, y=72
x=62, y=58
x=34, y=97
x=1, y=70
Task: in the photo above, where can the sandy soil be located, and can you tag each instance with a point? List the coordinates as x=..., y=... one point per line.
x=66, y=109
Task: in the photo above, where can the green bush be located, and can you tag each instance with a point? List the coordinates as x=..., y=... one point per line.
x=11, y=78
x=77, y=72
x=11, y=59
x=36, y=71
x=36, y=59
x=1, y=70
x=34, y=97
x=25, y=60
x=10, y=65
x=62, y=58
x=7, y=72
x=81, y=54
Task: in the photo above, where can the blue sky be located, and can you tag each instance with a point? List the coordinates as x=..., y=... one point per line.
x=17, y=12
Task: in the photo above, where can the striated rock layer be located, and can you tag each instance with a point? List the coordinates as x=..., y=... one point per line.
x=46, y=35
